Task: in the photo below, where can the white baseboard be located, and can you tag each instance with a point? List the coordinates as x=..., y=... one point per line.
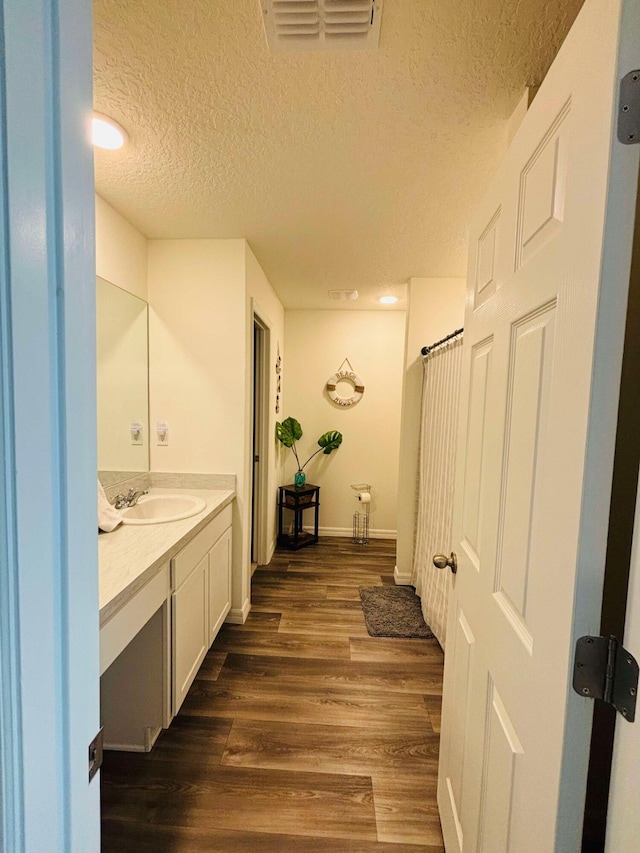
x=238, y=615
x=402, y=578
x=150, y=734
x=347, y=533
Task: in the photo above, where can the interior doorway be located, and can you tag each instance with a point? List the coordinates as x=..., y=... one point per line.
x=259, y=449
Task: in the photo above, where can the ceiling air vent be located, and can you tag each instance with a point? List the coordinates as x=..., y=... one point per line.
x=343, y=295
x=303, y=25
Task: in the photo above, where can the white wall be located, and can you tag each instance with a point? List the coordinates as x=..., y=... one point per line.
x=201, y=299
x=436, y=308
x=121, y=250
x=197, y=355
x=316, y=345
x=197, y=368
x=262, y=300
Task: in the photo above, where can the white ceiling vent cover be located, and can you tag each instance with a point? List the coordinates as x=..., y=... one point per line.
x=304, y=25
x=343, y=295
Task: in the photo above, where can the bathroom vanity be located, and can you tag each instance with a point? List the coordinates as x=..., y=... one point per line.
x=165, y=590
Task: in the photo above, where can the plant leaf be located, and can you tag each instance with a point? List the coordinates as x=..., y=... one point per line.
x=330, y=441
x=288, y=432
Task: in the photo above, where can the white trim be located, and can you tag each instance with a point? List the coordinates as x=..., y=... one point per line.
x=49, y=370
x=347, y=532
x=151, y=735
x=238, y=615
x=402, y=578
x=11, y=777
x=260, y=317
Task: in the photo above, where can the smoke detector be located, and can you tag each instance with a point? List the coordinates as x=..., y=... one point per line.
x=321, y=25
x=343, y=295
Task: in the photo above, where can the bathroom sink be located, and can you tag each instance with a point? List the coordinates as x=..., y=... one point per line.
x=156, y=509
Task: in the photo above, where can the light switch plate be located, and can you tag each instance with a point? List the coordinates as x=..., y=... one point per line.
x=162, y=434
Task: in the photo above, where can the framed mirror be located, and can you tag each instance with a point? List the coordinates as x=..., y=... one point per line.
x=122, y=383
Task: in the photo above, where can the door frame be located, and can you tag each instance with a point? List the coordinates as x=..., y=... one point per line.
x=615, y=604
x=260, y=386
x=49, y=632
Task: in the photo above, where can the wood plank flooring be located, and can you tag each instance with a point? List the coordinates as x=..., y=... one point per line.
x=301, y=734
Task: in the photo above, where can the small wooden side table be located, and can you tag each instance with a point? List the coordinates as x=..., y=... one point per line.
x=298, y=500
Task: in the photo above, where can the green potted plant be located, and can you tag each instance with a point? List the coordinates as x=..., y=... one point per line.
x=290, y=431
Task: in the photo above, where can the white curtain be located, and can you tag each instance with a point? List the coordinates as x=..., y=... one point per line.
x=440, y=387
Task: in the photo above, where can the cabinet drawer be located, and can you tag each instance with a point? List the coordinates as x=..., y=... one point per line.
x=186, y=560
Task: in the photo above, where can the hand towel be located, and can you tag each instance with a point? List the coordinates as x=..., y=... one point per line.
x=108, y=516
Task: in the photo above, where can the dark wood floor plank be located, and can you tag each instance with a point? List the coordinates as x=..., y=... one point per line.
x=189, y=739
x=344, y=593
x=269, y=701
x=255, y=622
x=314, y=804
x=388, y=650
x=330, y=577
x=434, y=709
x=340, y=622
x=405, y=806
x=332, y=749
x=343, y=607
x=212, y=664
x=287, y=592
x=397, y=677
x=301, y=734
x=122, y=836
x=284, y=645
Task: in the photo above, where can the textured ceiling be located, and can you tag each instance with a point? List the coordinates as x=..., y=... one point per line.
x=343, y=170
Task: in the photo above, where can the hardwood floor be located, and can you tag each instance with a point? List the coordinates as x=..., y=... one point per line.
x=301, y=734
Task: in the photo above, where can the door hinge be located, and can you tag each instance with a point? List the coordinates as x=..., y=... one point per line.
x=96, y=751
x=603, y=669
x=629, y=109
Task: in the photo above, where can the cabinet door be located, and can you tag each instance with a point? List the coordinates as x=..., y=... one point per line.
x=189, y=623
x=219, y=583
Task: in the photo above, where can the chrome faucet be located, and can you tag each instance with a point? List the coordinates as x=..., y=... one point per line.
x=130, y=499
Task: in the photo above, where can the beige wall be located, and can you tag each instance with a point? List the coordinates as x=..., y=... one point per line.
x=121, y=250
x=436, y=308
x=316, y=344
x=197, y=368
x=201, y=296
x=197, y=356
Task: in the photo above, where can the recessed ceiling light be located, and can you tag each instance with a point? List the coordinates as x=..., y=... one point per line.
x=388, y=300
x=107, y=133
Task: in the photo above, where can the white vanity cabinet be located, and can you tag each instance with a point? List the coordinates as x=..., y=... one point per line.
x=219, y=593
x=201, y=598
x=165, y=593
x=190, y=634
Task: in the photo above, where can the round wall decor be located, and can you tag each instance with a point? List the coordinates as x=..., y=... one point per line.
x=349, y=376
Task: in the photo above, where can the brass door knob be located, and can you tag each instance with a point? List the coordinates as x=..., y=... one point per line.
x=441, y=562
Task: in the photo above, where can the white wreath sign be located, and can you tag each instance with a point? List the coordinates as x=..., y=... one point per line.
x=350, y=376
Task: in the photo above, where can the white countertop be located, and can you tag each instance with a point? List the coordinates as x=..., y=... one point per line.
x=129, y=556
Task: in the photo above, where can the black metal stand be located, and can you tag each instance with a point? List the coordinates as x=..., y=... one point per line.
x=298, y=500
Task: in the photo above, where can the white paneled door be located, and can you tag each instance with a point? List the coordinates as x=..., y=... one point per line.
x=550, y=249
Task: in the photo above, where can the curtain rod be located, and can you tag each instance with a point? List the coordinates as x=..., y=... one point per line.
x=427, y=350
